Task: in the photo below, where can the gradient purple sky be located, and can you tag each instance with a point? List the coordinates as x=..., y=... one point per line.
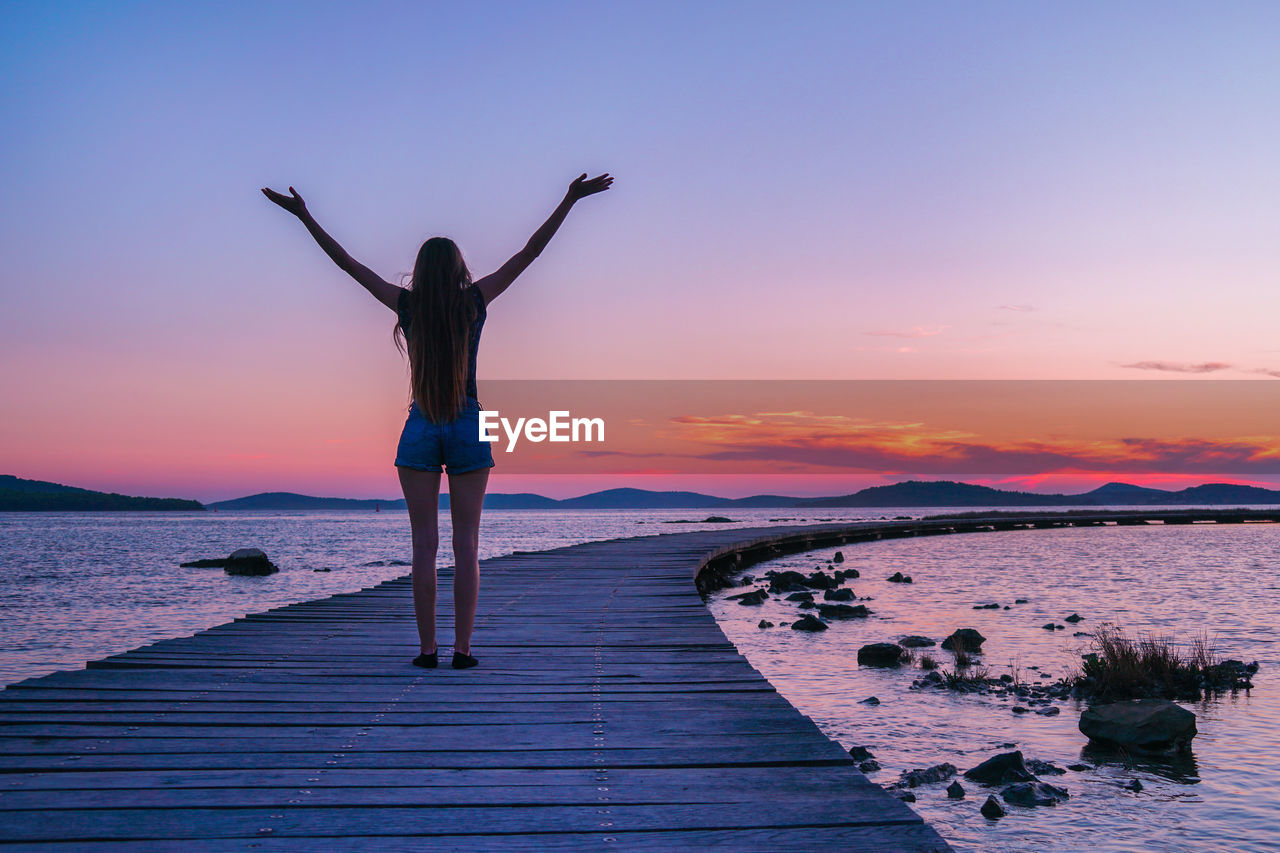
x=804, y=190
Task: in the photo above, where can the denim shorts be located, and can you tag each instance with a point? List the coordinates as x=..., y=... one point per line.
x=455, y=445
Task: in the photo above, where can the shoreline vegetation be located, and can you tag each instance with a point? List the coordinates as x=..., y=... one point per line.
x=19, y=495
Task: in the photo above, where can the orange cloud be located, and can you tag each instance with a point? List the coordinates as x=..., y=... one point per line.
x=838, y=441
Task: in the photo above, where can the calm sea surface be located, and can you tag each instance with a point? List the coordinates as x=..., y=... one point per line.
x=1171, y=581
x=79, y=586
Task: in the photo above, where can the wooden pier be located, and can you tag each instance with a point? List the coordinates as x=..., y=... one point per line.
x=609, y=712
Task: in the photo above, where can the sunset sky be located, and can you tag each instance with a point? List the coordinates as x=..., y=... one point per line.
x=984, y=190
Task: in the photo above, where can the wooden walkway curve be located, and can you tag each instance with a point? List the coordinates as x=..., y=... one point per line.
x=609, y=712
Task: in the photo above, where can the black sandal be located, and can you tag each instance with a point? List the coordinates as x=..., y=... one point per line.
x=461, y=661
x=430, y=661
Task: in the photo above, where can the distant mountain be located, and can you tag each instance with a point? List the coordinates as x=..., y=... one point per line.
x=19, y=495
x=276, y=501
x=291, y=500
x=641, y=498
x=914, y=493
x=515, y=500
x=1125, y=493
x=1223, y=493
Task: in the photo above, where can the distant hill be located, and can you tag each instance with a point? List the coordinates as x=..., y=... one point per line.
x=1223, y=493
x=911, y=493
x=1124, y=493
x=633, y=498
x=292, y=500
x=19, y=495
x=940, y=493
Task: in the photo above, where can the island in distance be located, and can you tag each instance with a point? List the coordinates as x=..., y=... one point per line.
x=17, y=494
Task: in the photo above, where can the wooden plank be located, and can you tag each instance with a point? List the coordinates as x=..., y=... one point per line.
x=909, y=838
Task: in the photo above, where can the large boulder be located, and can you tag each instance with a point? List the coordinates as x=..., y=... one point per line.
x=249, y=561
x=1003, y=769
x=964, y=640
x=880, y=654
x=1141, y=725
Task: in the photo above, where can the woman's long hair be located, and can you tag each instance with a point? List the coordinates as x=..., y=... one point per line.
x=440, y=312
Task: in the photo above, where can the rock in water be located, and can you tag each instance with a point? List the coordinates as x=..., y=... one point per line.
x=992, y=809
x=808, y=622
x=860, y=753
x=915, y=641
x=869, y=766
x=1143, y=725
x=880, y=654
x=1035, y=794
x=249, y=561
x=765, y=623
x=955, y=791
x=838, y=595
x=843, y=611
x=1002, y=769
x=838, y=558
x=204, y=564
x=927, y=776
x=964, y=639
x=1046, y=768
x=821, y=580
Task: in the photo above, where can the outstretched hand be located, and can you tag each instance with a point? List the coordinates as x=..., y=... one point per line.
x=292, y=203
x=581, y=187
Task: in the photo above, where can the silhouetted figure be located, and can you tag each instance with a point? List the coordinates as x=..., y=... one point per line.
x=438, y=320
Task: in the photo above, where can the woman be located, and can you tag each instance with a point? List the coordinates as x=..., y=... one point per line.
x=440, y=317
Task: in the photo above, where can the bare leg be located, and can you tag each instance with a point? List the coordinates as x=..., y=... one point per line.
x=466, y=497
x=422, y=494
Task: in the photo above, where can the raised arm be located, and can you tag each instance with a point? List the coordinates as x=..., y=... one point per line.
x=384, y=291
x=494, y=283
